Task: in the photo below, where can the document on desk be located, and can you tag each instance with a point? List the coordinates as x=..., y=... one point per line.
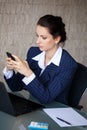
x=66, y=117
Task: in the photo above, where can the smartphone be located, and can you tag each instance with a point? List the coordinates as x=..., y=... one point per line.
x=10, y=55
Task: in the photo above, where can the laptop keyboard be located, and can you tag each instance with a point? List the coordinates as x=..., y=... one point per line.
x=22, y=106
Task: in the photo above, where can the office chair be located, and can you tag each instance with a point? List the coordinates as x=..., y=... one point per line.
x=79, y=84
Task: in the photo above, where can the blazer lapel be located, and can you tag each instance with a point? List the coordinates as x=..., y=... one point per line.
x=49, y=72
x=34, y=66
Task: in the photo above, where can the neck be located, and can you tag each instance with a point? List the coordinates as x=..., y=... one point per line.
x=49, y=54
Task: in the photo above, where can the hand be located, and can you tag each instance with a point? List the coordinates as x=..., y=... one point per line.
x=9, y=65
x=19, y=65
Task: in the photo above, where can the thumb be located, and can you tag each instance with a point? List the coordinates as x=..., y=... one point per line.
x=16, y=58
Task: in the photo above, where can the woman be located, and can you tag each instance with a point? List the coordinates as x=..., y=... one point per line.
x=48, y=70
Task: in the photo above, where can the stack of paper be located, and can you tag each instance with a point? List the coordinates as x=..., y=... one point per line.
x=66, y=117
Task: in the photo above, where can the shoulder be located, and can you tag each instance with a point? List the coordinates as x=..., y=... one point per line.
x=67, y=55
x=67, y=59
x=33, y=51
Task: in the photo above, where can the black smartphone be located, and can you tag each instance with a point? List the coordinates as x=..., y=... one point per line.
x=10, y=55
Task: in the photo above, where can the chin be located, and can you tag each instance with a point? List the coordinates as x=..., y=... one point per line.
x=41, y=48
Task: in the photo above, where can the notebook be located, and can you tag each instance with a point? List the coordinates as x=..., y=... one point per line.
x=15, y=105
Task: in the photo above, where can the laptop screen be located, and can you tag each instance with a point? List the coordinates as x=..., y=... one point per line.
x=16, y=105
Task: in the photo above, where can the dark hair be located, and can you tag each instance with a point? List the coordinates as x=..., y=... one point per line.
x=55, y=25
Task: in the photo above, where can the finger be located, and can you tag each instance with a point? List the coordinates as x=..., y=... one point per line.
x=8, y=59
x=16, y=58
x=9, y=65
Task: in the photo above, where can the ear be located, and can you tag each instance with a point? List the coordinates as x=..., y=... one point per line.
x=57, y=39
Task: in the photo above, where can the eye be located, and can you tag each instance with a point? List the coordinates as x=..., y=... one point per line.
x=44, y=38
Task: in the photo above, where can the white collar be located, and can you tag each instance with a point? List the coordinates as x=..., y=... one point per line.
x=55, y=59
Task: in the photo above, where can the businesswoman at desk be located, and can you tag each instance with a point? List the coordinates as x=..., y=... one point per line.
x=48, y=70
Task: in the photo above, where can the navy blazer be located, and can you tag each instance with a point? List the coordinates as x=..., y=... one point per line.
x=53, y=84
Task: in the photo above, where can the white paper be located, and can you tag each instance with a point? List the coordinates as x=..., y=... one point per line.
x=67, y=114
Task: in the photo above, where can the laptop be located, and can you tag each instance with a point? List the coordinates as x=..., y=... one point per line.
x=15, y=105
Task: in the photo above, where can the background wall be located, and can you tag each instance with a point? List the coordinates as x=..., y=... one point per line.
x=18, y=20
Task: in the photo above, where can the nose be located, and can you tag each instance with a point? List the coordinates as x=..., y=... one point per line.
x=38, y=40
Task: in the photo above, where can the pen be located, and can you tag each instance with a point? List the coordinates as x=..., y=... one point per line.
x=63, y=121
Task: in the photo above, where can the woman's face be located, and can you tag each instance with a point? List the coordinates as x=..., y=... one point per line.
x=45, y=40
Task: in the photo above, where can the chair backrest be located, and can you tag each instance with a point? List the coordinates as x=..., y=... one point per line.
x=79, y=84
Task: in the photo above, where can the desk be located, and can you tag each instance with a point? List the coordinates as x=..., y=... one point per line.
x=8, y=122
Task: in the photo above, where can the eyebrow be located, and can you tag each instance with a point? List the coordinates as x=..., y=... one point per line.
x=41, y=35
